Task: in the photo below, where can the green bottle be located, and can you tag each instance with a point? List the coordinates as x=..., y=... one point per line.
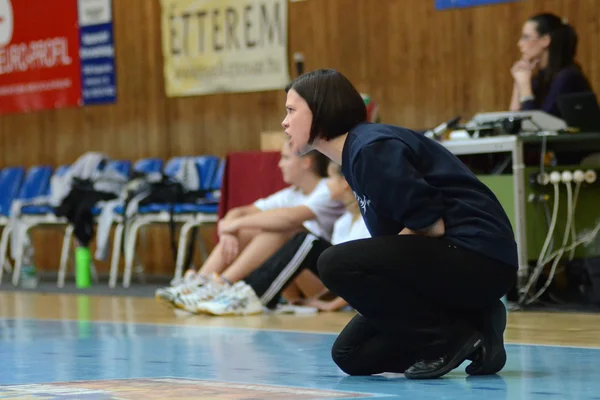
x=83, y=260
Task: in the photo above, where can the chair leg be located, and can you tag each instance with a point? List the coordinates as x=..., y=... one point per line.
x=138, y=269
x=116, y=253
x=138, y=262
x=4, y=241
x=8, y=266
x=182, y=246
x=144, y=239
x=130, y=245
x=94, y=271
x=202, y=248
x=64, y=255
x=19, y=261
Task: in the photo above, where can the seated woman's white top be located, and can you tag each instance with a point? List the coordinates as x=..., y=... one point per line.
x=345, y=229
x=319, y=201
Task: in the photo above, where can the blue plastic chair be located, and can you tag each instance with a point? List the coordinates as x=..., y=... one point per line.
x=44, y=209
x=144, y=166
x=148, y=165
x=121, y=166
x=160, y=213
x=35, y=185
x=203, y=213
x=212, y=183
x=11, y=179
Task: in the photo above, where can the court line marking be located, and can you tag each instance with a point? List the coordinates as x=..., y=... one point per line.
x=254, y=329
x=373, y=395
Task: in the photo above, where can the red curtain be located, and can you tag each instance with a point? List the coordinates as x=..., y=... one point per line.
x=249, y=176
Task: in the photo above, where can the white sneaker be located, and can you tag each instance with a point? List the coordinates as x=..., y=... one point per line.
x=189, y=276
x=187, y=287
x=239, y=299
x=189, y=302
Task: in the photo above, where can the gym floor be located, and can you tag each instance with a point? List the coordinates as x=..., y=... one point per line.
x=65, y=346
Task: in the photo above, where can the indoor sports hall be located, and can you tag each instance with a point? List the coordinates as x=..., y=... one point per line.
x=299, y=199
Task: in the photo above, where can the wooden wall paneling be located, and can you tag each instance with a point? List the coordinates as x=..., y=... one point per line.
x=64, y=132
x=422, y=67
x=587, y=15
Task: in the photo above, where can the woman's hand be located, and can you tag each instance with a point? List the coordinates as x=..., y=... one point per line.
x=438, y=229
x=230, y=247
x=522, y=71
x=227, y=227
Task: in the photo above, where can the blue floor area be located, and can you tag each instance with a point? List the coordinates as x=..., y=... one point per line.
x=36, y=351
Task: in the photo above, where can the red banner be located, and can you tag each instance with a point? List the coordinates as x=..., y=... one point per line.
x=39, y=55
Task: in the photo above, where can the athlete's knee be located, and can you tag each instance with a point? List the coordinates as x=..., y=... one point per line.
x=247, y=235
x=249, y=232
x=331, y=265
x=346, y=359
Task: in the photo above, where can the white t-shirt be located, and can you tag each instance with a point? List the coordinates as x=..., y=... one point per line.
x=346, y=230
x=318, y=201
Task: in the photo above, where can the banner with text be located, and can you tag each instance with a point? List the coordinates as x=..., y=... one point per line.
x=212, y=46
x=42, y=64
x=446, y=4
x=97, y=52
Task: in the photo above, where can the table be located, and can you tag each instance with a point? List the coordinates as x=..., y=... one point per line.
x=503, y=144
x=514, y=144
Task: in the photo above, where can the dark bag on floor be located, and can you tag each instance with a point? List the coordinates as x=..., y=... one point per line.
x=584, y=276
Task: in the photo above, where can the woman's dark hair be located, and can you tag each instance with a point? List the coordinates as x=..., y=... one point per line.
x=563, y=46
x=335, y=104
x=320, y=163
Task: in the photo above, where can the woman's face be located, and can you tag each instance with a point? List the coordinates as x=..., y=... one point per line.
x=532, y=46
x=297, y=122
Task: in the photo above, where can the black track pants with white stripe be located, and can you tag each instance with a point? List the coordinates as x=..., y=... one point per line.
x=299, y=253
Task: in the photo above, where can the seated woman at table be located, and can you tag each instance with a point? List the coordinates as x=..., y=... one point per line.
x=547, y=68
